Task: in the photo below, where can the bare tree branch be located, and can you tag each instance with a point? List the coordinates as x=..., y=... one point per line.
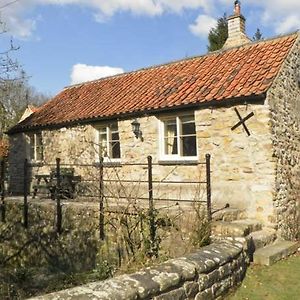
x=8, y=4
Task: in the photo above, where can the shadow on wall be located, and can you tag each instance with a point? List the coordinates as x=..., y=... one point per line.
x=19, y=148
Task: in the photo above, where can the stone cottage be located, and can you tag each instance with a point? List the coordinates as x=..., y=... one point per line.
x=241, y=104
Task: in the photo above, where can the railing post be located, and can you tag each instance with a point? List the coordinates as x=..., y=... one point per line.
x=57, y=196
x=152, y=228
x=25, y=208
x=101, y=201
x=208, y=187
x=2, y=187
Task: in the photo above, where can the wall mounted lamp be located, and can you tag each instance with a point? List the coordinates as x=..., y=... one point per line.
x=136, y=128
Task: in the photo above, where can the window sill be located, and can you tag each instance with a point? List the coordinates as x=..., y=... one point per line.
x=175, y=162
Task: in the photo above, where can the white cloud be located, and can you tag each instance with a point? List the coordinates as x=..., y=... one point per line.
x=202, y=25
x=15, y=22
x=15, y=15
x=290, y=23
x=179, y=5
x=81, y=72
x=281, y=16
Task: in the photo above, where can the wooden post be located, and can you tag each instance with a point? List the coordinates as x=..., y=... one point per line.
x=208, y=187
x=152, y=228
x=101, y=201
x=57, y=196
x=2, y=187
x=25, y=207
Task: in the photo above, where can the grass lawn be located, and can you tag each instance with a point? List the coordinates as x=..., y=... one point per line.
x=278, y=282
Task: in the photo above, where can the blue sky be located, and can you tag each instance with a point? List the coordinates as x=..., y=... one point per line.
x=68, y=41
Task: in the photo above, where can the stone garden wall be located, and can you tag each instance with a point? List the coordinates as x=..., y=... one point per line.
x=284, y=101
x=205, y=274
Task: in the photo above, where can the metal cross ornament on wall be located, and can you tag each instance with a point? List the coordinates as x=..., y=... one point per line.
x=242, y=121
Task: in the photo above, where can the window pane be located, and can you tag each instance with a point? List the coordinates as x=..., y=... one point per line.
x=32, y=153
x=39, y=153
x=115, y=141
x=115, y=149
x=171, y=137
x=188, y=125
x=115, y=136
x=189, y=146
x=109, y=141
x=31, y=145
x=38, y=139
x=188, y=129
x=103, y=143
x=39, y=146
x=170, y=127
x=171, y=146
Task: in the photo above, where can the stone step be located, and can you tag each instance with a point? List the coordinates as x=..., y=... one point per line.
x=238, y=228
x=270, y=254
x=228, y=214
x=261, y=238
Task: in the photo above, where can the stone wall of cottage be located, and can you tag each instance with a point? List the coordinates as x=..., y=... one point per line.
x=284, y=101
x=208, y=273
x=243, y=167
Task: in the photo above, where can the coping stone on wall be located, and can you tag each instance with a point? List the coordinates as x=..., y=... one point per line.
x=160, y=282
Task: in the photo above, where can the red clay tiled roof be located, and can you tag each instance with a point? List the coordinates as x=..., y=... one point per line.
x=237, y=72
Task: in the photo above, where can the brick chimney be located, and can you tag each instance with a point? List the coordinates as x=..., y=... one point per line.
x=236, y=28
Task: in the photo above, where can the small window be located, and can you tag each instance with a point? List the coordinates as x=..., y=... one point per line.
x=108, y=142
x=179, y=137
x=36, y=146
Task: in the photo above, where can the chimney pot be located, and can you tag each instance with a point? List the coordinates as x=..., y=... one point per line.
x=237, y=7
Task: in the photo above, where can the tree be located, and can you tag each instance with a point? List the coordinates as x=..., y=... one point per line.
x=217, y=36
x=8, y=66
x=15, y=96
x=257, y=36
x=8, y=69
x=15, y=92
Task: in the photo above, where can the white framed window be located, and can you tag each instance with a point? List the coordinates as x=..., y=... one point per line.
x=178, y=138
x=108, y=142
x=36, y=146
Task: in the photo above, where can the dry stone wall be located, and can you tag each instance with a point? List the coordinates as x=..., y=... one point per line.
x=202, y=275
x=284, y=101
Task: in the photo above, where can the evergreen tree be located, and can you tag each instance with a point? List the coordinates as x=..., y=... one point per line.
x=217, y=36
x=257, y=36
